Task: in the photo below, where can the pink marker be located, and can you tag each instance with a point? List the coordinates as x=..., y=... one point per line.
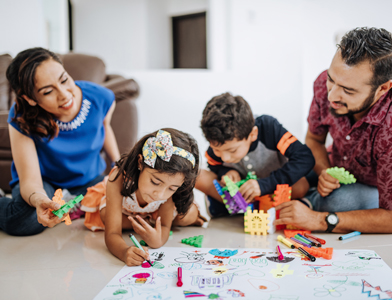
x=179, y=275
x=280, y=255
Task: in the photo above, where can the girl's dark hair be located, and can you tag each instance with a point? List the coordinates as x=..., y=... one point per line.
x=128, y=166
x=373, y=45
x=32, y=120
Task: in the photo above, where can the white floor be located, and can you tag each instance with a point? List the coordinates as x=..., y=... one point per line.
x=70, y=262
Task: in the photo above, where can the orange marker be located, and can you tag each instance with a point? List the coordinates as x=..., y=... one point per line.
x=321, y=241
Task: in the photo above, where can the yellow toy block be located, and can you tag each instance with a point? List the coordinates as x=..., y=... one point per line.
x=256, y=222
x=58, y=198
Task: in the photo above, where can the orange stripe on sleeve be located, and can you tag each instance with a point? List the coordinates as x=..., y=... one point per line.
x=285, y=142
x=211, y=161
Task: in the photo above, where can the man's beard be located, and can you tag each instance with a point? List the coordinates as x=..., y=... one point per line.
x=365, y=106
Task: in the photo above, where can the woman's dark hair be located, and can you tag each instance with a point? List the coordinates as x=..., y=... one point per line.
x=372, y=44
x=32, y=120
x=183, y=197
x=226, y=117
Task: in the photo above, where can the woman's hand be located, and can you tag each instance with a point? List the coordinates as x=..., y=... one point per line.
x=135, y=256
x=152, y=236
x=44, y=207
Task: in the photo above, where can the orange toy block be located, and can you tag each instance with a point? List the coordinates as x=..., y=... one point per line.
x=292, y=233
x=282, y=194
x=265, y=202
x=58, y=198
x=316, y=252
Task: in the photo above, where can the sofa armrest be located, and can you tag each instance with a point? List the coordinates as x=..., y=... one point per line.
x=122, y=88
x=4, y=134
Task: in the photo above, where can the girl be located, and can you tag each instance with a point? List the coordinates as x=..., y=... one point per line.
x=150, y=185
x=57, y=129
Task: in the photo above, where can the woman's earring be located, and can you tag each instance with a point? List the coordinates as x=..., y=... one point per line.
x=138, y=168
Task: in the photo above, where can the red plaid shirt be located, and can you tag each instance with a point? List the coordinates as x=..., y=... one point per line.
x=365, y=148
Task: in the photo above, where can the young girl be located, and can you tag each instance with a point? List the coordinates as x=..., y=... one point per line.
x=151, y=185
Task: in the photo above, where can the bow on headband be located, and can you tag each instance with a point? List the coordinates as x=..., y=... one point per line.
x=162, y=146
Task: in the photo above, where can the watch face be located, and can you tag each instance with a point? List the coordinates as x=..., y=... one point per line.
x=332, y=219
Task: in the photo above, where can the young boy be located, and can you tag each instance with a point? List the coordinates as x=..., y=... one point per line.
x=240, y=144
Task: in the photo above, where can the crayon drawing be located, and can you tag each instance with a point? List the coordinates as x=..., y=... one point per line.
x=252, y=274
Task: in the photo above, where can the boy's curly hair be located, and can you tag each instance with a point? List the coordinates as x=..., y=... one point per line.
x=183, y=197
x=226, y=117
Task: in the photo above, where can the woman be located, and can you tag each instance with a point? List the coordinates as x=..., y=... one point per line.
x=57, y=129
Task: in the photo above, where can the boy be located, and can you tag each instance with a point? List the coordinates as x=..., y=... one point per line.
x=240, y=144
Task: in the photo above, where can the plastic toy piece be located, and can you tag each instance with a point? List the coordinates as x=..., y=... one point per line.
x=196, y=241
x=233, y=204
x=291, y=233
x=271, y=218
x=171, y=233
x=67, y=206
x=256, y=222
x=342, y=175
x=282, y=194
x=241, y=182
x=143, y=243
x=265, y=202
x=58, y=198
x=317, y=252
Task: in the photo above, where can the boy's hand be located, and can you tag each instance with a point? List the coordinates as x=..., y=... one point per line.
x=135, y=256
x=145, y=230
x=250, y=189
x=327, y=183
x=233, y=175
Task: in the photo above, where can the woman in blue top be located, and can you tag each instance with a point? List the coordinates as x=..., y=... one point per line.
x=57, y=129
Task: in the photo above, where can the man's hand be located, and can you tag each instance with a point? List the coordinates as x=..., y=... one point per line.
x=233, y=175
x=249, y=190
x=327, y=183
x=299, y=215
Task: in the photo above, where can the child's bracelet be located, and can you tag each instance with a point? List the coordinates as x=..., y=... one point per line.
x=36, y=193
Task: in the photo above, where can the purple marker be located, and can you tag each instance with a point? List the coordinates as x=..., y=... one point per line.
x=300, y=242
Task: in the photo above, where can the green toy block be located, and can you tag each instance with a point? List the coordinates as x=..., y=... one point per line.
x=194, y=241
x=171, y=233
x=241, y=182
x=143, y=243
x=342, y=175
x=67, y=206
x=232, y=188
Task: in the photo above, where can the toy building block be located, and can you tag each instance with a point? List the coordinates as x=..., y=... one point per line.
x=233, y=204
x=264, y=202
x=291, y=233
x=342, y=175
x=282, y=194
x=271, y=218
x=58, y=198
x=241, y=182
x=194, y=241
x=67, y=206
x=256, y=222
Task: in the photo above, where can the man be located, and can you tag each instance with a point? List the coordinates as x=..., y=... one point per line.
x=353, y=102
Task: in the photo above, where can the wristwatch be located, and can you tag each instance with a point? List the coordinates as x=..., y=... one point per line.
x=332, y=220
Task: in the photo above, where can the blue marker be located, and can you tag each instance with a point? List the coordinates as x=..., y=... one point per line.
x=349, y=235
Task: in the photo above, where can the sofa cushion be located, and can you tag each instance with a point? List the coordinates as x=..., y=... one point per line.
x=84, y=67
x=5, y=61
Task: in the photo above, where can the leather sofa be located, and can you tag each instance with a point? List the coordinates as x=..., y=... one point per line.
x=80, y=67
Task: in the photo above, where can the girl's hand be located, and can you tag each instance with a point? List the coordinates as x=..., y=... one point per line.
x=135, y=256
x=45, y=217
x=152, y=236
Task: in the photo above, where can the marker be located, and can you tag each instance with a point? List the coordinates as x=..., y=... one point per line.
x=134, y=240
x=179, y=275
x=280, y=254
x=349, y=235
x=286, y=242
x=313, y=243
x=308, y=255
x=321, y=241
x=298, y=237
x=300, y=242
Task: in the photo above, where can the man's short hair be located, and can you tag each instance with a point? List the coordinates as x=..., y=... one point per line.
x=372, y=44
x=226, y=117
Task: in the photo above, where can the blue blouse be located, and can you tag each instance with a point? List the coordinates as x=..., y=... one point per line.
x=73, y=158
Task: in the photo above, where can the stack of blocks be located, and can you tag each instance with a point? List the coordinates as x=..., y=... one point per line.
x=194, y=241
x=232, y=198
x=67, y=206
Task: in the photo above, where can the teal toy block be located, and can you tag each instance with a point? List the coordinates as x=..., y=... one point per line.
x=342, y=175
x=194, y=241
x=67, y=206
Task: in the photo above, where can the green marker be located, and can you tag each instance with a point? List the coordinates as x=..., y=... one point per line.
x=134, y=240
